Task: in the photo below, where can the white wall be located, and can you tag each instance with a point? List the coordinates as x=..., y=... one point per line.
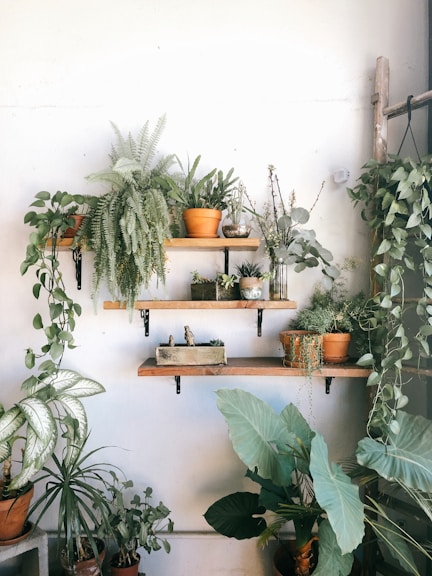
x=245, y=84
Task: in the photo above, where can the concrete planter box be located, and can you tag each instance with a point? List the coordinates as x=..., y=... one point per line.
x=214, y=291
x=183, y=355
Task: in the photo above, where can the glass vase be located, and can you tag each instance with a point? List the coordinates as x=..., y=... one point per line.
x=239, y=227
x=278, y=285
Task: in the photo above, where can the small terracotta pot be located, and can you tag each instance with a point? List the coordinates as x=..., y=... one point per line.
x=299, y=344
x=126, y=571
x=86, y=567
x=71, y=232
x=202, y=222
x=13, y=514
x=335, y=347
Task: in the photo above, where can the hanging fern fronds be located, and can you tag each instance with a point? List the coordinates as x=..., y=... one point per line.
x=128, y=225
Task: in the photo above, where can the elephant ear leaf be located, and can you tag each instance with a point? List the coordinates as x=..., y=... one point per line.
x=407, y=457
x=330, y=559
x=235, y=516
x=337, y=495
x=256, y=431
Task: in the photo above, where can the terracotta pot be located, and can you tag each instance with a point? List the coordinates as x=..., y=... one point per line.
x=335, y=347
x=86, y=567
x=13, y=514
x=284, y=564
x=125, y=571
x=71, y=232
x=251, y=288
x=202, y=222
x=302, y=348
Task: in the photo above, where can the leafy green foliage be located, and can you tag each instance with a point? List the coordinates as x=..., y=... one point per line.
x=396, y=204
x=77, y=485
x=249, y=270
x=289, y=462
x=135, y=524
x=210, y=191
x=127, y=226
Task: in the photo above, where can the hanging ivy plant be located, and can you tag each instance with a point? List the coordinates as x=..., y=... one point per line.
x=397, y=206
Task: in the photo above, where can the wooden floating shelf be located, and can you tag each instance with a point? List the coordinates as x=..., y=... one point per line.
x=252, y=366
x=213, y=243
x=205, y=304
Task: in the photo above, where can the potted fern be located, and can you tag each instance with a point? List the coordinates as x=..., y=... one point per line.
x=134, y=523
x=127, y=226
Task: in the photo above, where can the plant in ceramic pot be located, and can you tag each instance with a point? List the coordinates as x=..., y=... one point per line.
x=76, y=484
x=236, y=223
x=289, y=463
x=134, y=523
x=50, y=411
x=251, y=278
x=287, y=242
x=127, y=226
x=202, y=199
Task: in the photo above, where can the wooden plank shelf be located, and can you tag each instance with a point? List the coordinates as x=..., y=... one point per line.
x=252, y=366
x=213, y=243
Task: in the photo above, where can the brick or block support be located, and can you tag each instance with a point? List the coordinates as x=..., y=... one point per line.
x=34, y=549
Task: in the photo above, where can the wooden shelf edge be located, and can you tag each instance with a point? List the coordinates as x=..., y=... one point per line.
x=213, y=243
x=251, y=366
x=205, y=304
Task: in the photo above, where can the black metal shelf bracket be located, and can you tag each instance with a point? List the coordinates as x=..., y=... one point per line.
x=178, y=384
x=328, y=381
x=260, y=318
x=226, y=252
x=145, y=315
x=77, y=258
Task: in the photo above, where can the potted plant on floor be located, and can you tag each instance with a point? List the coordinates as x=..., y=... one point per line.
x=127, y=226
x=289, y=462
x=77, y=485
x=134, y=523
x=201, y=199
x=236, y=223
x=30, y=429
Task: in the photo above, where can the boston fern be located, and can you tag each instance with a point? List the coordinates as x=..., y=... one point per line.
x=127, y=226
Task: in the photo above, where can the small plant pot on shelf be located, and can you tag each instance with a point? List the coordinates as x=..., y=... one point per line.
x=13, y=514
x=202, y=222
x=183, y=355
x=303, y=349
x=335, y=347
x=214, y=291
x=251, y=288
x=72, y=230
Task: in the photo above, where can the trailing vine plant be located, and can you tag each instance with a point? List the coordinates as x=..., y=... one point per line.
x=397, y=206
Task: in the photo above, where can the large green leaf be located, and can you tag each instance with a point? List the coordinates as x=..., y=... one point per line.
x=330, y=560
x=235, y=515
x=255, y=429
x=407, y=458
x=335, y=493
x=10, y=422
x=75, y=384
x=40, y=418
x=302, y=433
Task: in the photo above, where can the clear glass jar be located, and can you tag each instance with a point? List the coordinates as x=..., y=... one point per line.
x=278, y=285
